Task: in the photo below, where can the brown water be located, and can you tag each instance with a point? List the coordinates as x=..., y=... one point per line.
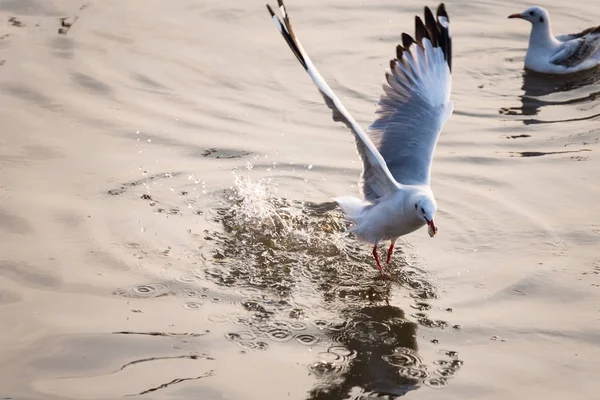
x=165, y=169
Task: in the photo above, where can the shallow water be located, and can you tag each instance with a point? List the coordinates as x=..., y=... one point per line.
x=166, y=170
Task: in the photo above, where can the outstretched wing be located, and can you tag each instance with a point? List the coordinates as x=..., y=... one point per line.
x=376, y=176
x=416, y=100
x=576, y=51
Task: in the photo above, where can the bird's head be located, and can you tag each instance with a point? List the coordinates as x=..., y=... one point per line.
x=425, y=207
x=536, y=15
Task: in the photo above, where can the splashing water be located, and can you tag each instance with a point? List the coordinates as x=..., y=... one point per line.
x=257, y=210
x=283, y=246
x=252, y=205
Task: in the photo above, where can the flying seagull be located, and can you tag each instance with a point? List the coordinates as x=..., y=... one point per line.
x=561, y=54
x=397, y=149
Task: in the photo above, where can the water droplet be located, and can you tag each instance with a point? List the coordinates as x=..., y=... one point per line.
x=402, y=357
x=298, y=325
x=436, y=382
x=321, y=324
x=242, y=335
x=261, y=346
x=187, y=279
x=192, y=305
x=280, y=335
x=280, y=324
x=446, y=372
x=342, y=351
x=324, y=368
x=421, y=306
x=449, y=353
x=330, y=357
x=307, y=339
x=149, y=290
x=413, y=372
x=253, y=306
x=250, y=345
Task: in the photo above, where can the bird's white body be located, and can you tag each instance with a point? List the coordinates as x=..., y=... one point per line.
x=563, y=54
x=542, y=46
x=376, y=222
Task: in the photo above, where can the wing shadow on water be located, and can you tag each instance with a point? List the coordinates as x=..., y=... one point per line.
x=308, y=280
x=543, y=90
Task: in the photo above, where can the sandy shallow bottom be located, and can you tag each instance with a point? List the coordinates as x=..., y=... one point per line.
x=165, y=173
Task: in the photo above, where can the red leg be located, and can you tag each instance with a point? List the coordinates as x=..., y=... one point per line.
x=377, y=259
x=390, y=252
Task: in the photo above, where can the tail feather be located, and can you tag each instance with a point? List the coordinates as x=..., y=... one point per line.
x=352, y=207
x=356, y=211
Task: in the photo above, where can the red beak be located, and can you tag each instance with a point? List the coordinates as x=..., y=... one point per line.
x=432, y=228
x=516, y=16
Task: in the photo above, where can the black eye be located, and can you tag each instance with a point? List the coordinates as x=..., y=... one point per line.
x=415, y=206
x=423, y=211
x=531, y=13
x=541, y=19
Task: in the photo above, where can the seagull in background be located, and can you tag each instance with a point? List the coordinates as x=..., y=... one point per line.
x=397, y=149
x=561, y=54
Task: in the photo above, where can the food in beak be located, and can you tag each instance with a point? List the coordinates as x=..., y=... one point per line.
x=432, y=229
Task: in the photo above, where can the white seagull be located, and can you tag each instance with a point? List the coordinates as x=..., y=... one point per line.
x=561, y=54
x=397, y=150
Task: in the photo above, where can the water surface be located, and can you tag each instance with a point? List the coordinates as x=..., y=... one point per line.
x=167, y=231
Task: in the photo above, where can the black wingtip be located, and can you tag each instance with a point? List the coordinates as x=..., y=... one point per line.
x=420, y=31
x=435, y=29
x=428, y=15
x=399, y=51
x=441, y=12
x=443, y=26
x=270, y=11
x=431, y=26
x=407, y=40
x=288, y=34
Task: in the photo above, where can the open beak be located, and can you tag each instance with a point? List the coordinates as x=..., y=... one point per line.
x=516, y=16
x=432, y=229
